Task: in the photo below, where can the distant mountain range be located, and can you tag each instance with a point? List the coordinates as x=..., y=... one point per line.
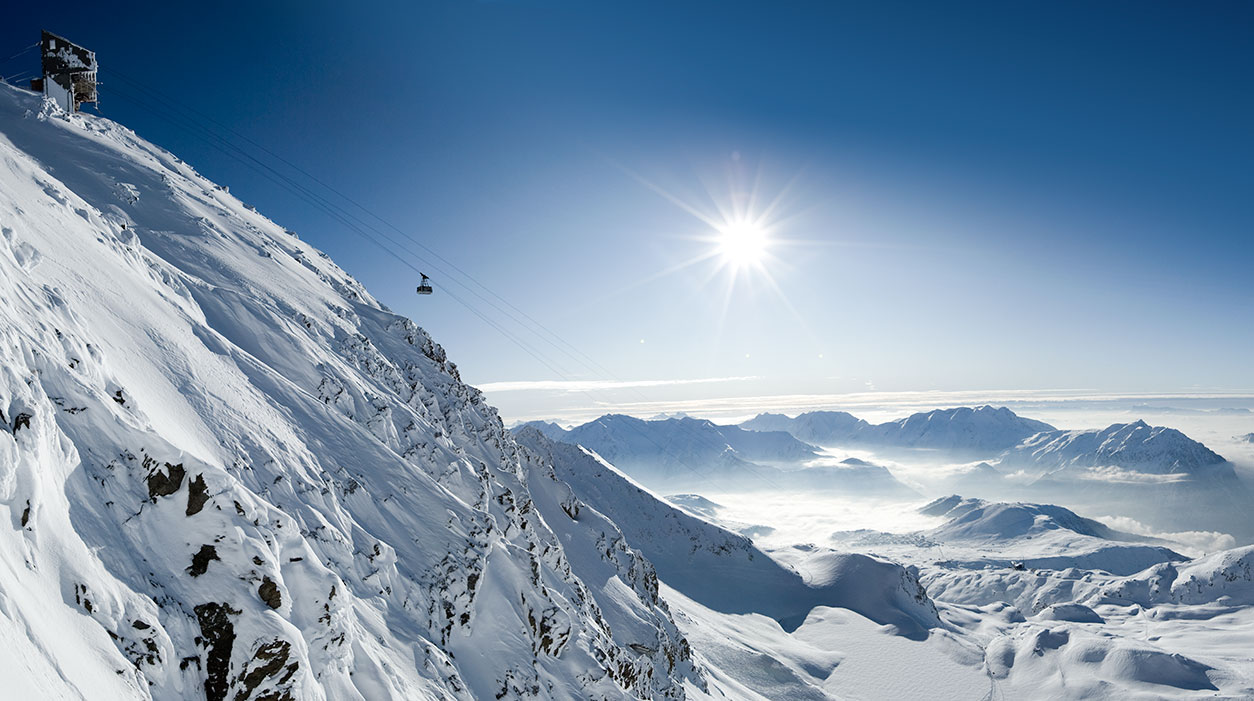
x=986, y=430
x=1148, y=450
x=670, y=449
x=687, y=452
x=1153, y=471
x=1014, y=442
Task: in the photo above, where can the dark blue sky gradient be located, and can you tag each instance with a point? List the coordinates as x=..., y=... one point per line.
x=994, y=195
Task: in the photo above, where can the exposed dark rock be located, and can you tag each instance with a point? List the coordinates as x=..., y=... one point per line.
x=269, y=593
x=80, y=597
x=270, y=661
x=140, y=625
x=21, y=421
x=117, y=397
x=26, y=514
x=217, y=633
x=197, y=495
x=201, y=560
x=161, y=484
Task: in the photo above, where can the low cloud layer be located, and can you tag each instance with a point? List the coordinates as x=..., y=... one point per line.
x=1190, y=543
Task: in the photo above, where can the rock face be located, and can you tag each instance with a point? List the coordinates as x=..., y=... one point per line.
x=256, y=480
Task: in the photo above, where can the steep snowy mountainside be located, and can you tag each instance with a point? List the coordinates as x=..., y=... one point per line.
x=983, y=430
x=231, y=473
x=727, y=572
x=1154, y=450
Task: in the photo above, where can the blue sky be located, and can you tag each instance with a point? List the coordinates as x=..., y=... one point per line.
x=972, y=196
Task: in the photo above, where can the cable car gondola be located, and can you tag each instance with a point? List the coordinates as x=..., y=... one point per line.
x=424, y=287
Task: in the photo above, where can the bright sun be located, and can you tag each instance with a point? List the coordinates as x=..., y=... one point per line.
x=742, y=243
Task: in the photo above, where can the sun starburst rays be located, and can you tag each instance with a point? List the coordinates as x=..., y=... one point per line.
x=741, y=223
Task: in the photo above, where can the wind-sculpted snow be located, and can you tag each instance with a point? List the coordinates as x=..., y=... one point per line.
x=227, y=471
x=1225, y=577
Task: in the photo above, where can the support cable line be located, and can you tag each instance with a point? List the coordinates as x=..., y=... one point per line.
x=194, y=127
x=549, y=336
x=6, y=60
x=329, y=210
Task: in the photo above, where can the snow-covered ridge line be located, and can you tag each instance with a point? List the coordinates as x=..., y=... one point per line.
x=687, y=549
x=998, y=433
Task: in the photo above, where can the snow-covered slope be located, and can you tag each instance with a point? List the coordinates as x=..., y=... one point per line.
x=1039, y=536
x=228, y=472
x=1225, y=577
x=726, y=572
